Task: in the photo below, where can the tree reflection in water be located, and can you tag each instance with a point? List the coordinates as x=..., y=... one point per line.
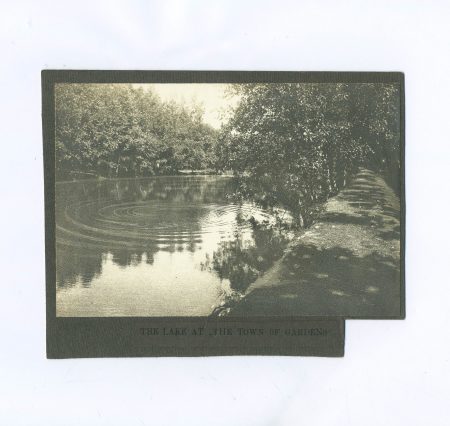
x=139, y=245
x=246, y=257
x=83, y=265
x=74, y=265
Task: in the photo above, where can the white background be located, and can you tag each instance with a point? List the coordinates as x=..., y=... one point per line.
x=393, y=373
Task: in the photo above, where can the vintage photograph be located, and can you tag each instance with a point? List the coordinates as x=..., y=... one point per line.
x=228, y=200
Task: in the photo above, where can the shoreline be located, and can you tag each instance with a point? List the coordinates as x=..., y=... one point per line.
x=104, y=179
x=346, y=264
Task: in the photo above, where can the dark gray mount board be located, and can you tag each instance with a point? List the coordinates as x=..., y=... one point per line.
x=189, y=336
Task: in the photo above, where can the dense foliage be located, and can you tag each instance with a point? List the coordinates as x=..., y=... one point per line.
x=121, y=130
x=296, y=144
x=292, y=145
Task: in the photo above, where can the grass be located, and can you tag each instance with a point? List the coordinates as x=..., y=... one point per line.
x=346, y=264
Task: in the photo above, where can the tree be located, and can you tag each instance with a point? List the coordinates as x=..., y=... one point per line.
x=296, y=144
x=115, y=130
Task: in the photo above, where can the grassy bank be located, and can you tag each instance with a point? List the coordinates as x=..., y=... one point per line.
x=347, y=263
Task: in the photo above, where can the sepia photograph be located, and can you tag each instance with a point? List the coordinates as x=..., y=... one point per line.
x=224, y=213
x=228, y=199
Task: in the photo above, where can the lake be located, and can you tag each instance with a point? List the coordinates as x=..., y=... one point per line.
x=162, y=246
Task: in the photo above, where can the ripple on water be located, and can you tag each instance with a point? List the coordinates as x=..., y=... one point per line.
x=139, y=224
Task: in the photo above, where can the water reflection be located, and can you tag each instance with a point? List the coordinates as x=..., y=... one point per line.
x=76, y=266
x=244, y=258
x=156, y=247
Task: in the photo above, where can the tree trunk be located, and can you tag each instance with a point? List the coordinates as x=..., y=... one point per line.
x=117, y=167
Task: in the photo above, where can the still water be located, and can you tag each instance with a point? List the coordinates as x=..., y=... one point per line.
x=163, y=246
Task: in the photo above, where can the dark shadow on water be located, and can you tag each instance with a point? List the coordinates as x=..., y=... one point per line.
x=124, y=258
x=77, y=265
x=243, y=259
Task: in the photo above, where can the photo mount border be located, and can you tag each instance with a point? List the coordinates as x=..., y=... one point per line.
x=57, y=342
